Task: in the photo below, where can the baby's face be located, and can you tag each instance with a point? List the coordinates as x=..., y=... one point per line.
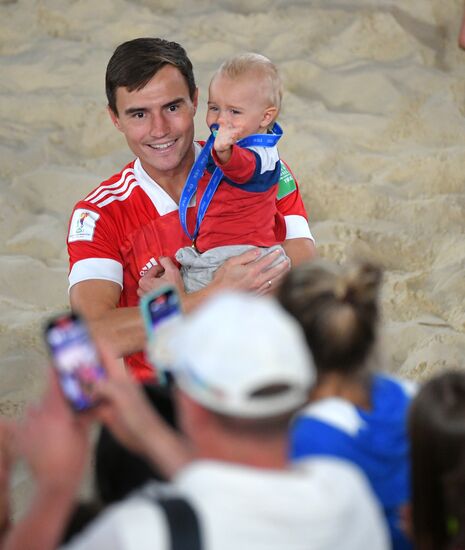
x=239, y=103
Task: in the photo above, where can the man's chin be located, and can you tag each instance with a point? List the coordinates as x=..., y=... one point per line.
x=165, y=162
x=162, y=166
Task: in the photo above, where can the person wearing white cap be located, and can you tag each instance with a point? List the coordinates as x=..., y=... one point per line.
x=242, y=369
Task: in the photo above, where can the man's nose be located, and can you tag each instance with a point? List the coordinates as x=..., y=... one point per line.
x=159, y=126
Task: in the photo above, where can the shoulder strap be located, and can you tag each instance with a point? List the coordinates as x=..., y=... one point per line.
x=183, y=523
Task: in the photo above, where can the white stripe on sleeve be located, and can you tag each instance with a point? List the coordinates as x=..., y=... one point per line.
x=96, y=268
x=297, y=228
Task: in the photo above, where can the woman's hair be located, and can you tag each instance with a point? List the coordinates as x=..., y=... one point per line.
x=337, y=307
x=262, y=69
x=437, y=433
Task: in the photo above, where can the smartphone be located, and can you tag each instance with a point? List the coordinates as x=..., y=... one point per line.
x=75, y=358
x=160, y=311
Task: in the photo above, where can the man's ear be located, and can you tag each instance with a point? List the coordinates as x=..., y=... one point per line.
x=114, y=118
x=269, y=116
x=195, y=100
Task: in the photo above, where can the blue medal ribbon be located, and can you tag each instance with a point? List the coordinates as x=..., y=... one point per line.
x=198, y=168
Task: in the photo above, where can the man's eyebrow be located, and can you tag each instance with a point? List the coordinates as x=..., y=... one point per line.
x=176, y=101
x=132, y=110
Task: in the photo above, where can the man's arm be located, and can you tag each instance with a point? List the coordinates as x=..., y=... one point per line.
x=96, y=300
x=241, y=273
x=54, y=442
x=299, y=250
x=42, y=526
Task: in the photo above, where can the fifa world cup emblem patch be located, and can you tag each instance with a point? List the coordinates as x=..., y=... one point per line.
x=82, y=225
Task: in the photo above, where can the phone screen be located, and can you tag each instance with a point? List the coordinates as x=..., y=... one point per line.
x=75, y=359
x=163, y=308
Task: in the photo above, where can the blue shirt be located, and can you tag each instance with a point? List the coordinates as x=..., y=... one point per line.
x=376, y=440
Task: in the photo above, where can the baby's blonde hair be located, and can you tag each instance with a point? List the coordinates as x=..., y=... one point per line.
x=250, y=62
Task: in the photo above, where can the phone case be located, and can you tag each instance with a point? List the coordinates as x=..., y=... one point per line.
x=158, y=358
x=74, y=357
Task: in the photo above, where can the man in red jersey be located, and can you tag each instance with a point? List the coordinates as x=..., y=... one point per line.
x=130, y=223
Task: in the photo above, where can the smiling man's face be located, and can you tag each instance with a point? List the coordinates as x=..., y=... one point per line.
x=158, y=123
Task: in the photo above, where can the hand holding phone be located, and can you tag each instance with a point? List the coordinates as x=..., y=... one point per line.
x=75, y=358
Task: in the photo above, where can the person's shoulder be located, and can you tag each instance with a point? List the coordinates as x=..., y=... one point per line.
x=106, y=203
x=110, y=189
x=202, y=473
x=393, y=383
x=331, y=471
x=346, y=497
x=334, y=411
x=339, y=479
x=136, y=518
x=327, y=427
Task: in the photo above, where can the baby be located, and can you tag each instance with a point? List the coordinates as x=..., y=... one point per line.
x=235, y=179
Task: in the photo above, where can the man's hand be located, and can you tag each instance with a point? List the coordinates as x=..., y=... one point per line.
x=248, y=273
x=54, y=440
x=165, y=273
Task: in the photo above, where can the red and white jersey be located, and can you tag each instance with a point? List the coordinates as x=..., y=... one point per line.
x=122, y=227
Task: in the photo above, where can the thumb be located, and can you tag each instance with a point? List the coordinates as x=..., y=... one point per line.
x=154, y=272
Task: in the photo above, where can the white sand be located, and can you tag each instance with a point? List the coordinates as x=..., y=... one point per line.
x=374, y=130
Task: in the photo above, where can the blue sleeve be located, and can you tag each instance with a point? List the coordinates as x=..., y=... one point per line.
x=264, y=177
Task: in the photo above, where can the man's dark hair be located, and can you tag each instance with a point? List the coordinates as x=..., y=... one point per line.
x=134, y=63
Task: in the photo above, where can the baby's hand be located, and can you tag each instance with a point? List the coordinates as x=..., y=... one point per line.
x=226, y=137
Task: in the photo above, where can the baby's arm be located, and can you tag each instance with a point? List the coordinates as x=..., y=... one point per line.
x=238, y=164
x=225, y=138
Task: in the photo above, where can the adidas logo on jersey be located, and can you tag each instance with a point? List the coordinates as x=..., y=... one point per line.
x=147, y=266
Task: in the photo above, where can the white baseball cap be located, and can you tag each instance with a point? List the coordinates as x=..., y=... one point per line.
x=240, y=355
